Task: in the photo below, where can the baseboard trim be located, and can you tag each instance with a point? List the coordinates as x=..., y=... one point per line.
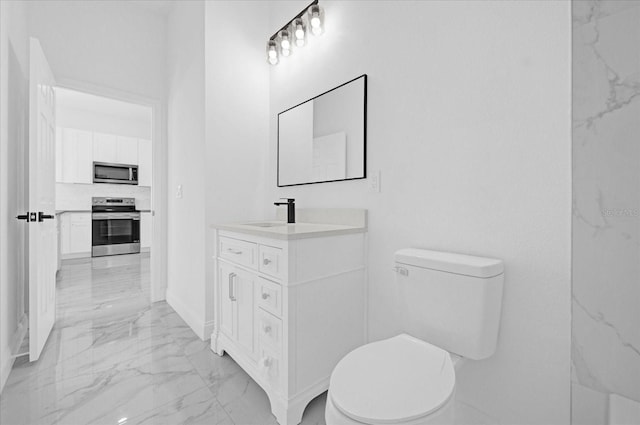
x=208, y=329
x=76, y=255
x=7, y=360
x=19, y=334
x=196, y=324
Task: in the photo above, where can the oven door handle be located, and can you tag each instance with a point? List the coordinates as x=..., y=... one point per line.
x=115, y=216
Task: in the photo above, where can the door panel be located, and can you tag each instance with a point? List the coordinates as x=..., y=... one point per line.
x=227, y=306
x=246, y=315
x=42, y=174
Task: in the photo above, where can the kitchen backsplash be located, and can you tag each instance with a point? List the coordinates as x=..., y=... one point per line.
x=75, y=196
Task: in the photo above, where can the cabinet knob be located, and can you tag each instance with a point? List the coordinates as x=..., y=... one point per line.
x=265, y=296
x=266, y=261
x=267, y=361
x=266, y=329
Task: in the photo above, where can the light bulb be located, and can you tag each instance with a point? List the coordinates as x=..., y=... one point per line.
x=286, y=52
x=316, y=19
x=300, y=42
x=272, y=52
x=285, y=44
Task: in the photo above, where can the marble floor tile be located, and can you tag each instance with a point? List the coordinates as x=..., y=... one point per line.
x=114, y=358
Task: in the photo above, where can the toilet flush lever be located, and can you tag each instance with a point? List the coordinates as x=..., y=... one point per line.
x=401, y=270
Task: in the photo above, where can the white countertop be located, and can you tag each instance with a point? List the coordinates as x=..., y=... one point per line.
x=292, y=231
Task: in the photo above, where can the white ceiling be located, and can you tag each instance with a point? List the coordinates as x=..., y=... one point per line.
x=102, y=105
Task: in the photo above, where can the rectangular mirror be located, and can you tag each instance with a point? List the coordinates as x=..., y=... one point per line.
x=324, y=139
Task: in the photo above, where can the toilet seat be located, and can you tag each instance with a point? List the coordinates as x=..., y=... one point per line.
x=392, y=381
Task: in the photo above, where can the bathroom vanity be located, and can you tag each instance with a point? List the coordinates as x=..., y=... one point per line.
x=291, y=302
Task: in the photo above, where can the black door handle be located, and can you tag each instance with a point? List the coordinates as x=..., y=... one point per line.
x=24, y=217
x=42, y=216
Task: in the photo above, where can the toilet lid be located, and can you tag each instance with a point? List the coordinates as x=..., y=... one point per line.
x=395, y=380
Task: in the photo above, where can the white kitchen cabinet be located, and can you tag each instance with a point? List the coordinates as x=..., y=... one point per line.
x=146, y=221
x=74, y=153
x=115, y=149
x=105, y=148
x=145, y=161
x=287, y=310
x=127, y=150
x=75, y=232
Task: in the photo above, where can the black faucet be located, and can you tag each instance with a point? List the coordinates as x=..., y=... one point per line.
x=291, y=209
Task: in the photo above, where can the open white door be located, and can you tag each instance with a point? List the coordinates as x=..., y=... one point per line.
x=42, y=230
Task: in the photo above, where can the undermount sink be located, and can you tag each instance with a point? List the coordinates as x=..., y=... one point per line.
x=264, y=224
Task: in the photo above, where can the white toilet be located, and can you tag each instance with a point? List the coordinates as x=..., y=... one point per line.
x=450, y=310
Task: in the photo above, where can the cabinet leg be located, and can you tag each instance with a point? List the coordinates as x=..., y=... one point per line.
x=290, y=415
x=216, y=346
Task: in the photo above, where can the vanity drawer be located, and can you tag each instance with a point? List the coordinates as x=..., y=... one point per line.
x=241, y=252
x=270, y=261
x=269, y=330
x=269, y=367
x=270, y=296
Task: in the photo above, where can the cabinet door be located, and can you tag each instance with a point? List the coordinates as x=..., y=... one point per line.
x=80, y=238
x=226, y=280
x=145, y=229
x=69, y=155
x=84, y=165
x=65, y=233
x=145, y=171
x=127, y=150
x=75, y=233
x=245, y=296
x=105, y=148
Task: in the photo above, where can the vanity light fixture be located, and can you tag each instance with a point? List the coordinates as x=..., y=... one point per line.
x=295, y=32
x=285, y=43
x=299, y=32
x=316, y=17
x=272, y=52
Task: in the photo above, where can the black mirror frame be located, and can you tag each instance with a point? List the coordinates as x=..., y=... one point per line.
x=364, y=142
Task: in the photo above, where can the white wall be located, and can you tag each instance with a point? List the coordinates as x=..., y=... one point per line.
x=101, y=123
x=13, y=138
x=77, y=196
x=111, y=44
x=186, y=164
x=469, y=122
x=237, y=113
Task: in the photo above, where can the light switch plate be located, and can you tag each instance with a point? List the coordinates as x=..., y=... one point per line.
x=374, y=181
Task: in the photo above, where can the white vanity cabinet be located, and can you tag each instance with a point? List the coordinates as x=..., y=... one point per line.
x=287, y=310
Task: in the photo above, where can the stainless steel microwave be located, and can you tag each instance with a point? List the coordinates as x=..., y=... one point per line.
x=104, y=172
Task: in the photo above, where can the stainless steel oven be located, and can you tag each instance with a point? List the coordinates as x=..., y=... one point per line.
x=104, y=172
x=115, y=226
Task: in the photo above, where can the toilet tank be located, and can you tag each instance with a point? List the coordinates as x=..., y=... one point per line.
x=451, y=300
